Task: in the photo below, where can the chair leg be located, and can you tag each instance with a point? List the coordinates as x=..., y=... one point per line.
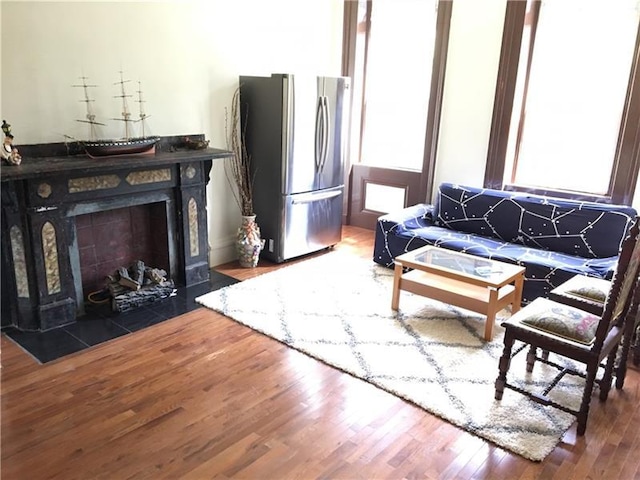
x=605, y=383
x=628, y=339
x=621, y=369
x=636, y=346
x=503, y=365
x=583, y=413
x=531, y=357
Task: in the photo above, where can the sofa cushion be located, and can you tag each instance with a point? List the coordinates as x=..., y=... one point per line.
x=584, y=229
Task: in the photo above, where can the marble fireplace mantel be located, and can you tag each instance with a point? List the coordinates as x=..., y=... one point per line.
x=42, y=197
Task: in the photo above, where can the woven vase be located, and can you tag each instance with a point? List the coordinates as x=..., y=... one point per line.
x=248, y=242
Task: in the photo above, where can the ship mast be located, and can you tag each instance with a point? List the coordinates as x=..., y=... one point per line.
x=126, y=115
x=143, y=115
x=90, y=117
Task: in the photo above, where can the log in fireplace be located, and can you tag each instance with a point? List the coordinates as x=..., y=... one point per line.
x=46, y=203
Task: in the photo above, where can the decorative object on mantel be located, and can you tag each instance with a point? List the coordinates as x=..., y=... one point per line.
x=128, y=145
x=9, y=152
x=195, y=144
x=240, y=177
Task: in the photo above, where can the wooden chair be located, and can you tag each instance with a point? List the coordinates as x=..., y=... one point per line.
x=575, y=334
x=589, y=294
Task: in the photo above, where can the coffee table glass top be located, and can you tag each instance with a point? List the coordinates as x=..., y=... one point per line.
x=442, y=259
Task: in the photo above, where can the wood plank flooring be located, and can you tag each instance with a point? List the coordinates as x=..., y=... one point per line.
x=201, y=396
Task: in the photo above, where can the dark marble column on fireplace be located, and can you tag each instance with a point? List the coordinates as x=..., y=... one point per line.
x=41, y=198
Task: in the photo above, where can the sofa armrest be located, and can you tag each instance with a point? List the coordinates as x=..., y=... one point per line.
x=392, y=227
x=410, y=218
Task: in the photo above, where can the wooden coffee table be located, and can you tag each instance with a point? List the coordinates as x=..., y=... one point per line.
x=474, y=283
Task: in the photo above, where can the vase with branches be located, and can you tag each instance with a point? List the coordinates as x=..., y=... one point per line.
x=240, y=177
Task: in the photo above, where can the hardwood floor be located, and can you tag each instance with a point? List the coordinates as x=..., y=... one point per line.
x=201, y=396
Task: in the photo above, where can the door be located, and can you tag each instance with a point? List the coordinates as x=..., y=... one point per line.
x=333, y=117
x=313, y=136
x=395, y=52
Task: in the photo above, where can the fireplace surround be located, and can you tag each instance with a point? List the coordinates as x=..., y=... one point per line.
x=45, y=201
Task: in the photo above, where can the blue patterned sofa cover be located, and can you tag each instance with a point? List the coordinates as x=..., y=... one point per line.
x=554, y=239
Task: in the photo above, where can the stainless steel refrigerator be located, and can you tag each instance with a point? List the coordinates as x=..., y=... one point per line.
x=296, y=135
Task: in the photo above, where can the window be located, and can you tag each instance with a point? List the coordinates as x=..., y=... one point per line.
x=395, y=54
x=570, y=127
x=397, y=83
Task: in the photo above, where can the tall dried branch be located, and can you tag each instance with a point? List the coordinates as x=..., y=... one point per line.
x=238, y=167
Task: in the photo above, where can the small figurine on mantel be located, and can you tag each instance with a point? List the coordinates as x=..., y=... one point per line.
x=9, y=152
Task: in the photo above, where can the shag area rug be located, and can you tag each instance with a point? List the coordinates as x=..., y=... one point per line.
x=337, y=308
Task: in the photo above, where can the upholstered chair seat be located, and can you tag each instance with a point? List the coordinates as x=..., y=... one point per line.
x=586, y=293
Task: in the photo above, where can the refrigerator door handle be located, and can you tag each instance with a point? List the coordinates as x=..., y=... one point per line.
x=315, y=196
x=319, y=151
x=326, y=130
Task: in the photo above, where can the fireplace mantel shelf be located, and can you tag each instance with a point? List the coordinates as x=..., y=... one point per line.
x=38, y=167
x=56, y=184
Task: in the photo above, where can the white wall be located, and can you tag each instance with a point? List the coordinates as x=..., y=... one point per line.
x=188, y=56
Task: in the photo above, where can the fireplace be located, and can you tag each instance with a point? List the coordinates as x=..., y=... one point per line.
x=110, y=239
x=69, y=220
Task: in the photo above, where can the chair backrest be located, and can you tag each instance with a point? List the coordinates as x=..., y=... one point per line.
x=624, y=283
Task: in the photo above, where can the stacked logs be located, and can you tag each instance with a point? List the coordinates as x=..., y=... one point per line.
x=138, y=285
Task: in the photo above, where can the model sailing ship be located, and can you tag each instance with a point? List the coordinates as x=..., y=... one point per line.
x=126, y=146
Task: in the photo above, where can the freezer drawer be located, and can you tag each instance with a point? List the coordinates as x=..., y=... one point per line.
x=312, y=221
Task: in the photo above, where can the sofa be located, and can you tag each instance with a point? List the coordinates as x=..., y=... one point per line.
x=554, y=239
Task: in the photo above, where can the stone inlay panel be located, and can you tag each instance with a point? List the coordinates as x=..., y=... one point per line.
x=149, y=176
x=194, y=248
x=44, y=190
x=88, y=184
x=50, y=251
x=190, y=172
x=19, y=263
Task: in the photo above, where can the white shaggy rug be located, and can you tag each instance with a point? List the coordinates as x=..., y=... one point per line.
x=336, y=308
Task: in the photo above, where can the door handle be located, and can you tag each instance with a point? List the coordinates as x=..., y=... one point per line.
x=326, y=130
x=314, y=197
x=319, y=135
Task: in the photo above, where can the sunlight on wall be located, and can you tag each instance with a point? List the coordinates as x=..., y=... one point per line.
x=187, y=55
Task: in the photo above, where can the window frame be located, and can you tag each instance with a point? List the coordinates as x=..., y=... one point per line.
x=624, y=174
x=419, y=184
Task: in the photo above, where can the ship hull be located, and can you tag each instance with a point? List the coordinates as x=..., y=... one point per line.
x=109, y=148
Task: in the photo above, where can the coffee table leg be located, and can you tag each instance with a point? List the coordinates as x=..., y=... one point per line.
x=517, y=295
x=491, y=314
x=395, y=296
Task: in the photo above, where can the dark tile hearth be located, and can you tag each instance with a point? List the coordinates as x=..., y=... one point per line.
x=101, y=324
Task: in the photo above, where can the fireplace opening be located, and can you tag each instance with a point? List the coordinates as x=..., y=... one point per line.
x=112, y=240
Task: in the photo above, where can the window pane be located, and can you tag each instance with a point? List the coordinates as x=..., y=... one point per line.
x=398, y=82
x=383, y=198
x=579, y=76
